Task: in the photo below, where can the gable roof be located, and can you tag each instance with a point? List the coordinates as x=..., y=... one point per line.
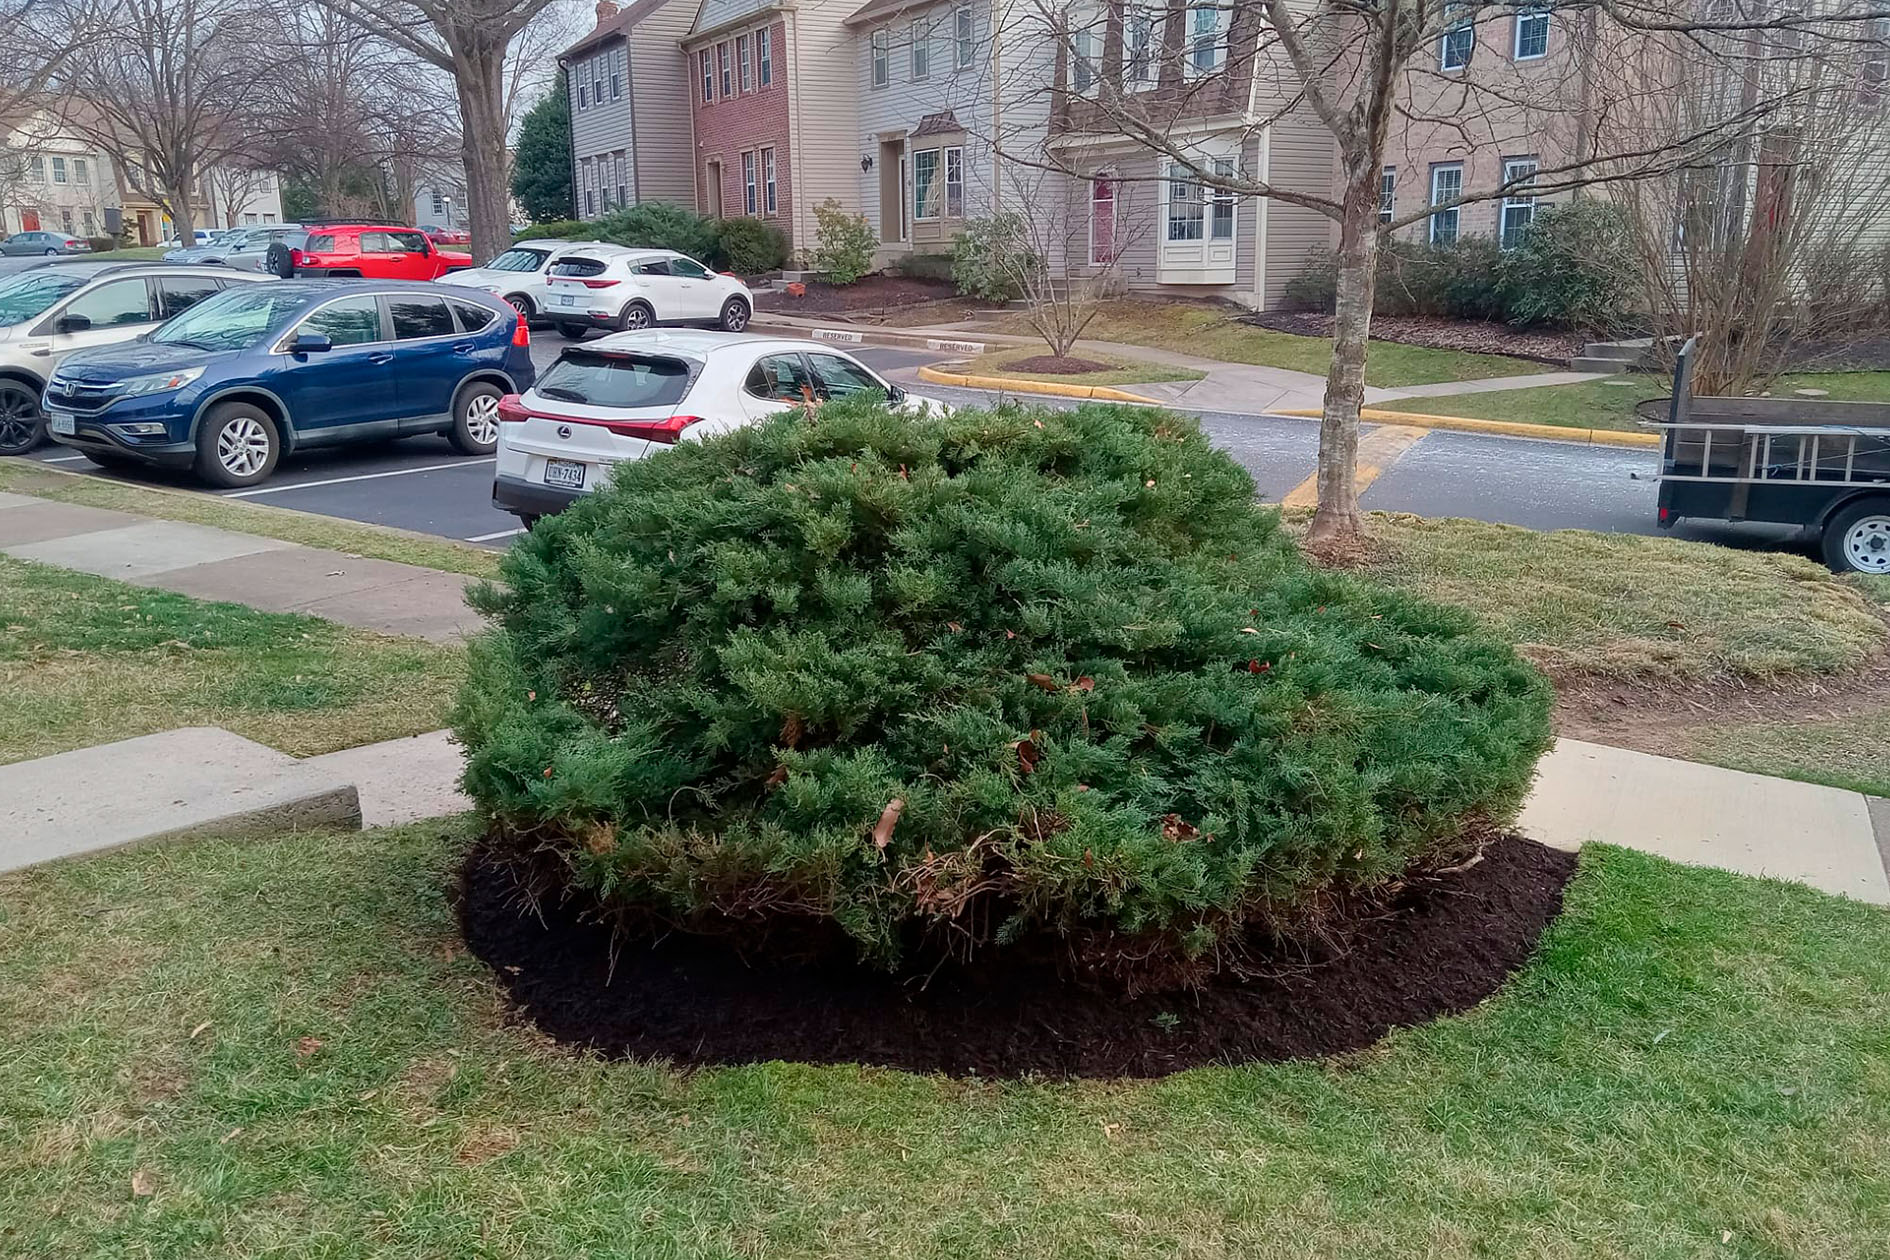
x=715, y=14
x=942, y=123
x=617, y=27
x=880, y=10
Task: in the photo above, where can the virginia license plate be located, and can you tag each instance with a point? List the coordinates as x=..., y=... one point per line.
x=62, y=422
x=567, y=299
x=566, y=473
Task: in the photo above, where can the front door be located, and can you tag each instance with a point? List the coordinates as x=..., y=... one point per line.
x=29, y=220
x=347, y=391
x=715, y=190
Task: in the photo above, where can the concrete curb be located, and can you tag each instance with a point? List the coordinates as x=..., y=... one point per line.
x=1098, y=393
x=870, y=337
x=1502, y=428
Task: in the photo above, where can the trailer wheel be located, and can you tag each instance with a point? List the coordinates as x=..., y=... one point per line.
x=1857, y=539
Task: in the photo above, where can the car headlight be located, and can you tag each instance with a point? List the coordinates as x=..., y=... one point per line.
x=158, y=383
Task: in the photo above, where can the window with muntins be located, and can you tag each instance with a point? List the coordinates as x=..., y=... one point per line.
x=764, y=56
x=748, y=184
x=58, y=170
x=744, y=52
x=728, y=71
x=1446, y=186
x=1532, y=34
x=1141, y=48
x=1387, y=193
x=964, y=38
x=925, y=184
x=1222, y=204
x=1459, y=39
x=1186, y=214
x=767, y=181
x=707, y=66
x=921, y=49
x=882, y=58
x=1207, y=39
x=955, y=183
x=1519, y=204
x=78, y=171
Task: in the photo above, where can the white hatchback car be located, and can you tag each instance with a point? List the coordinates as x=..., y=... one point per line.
x=633, y=395
x=629, y=289
x=518, y=275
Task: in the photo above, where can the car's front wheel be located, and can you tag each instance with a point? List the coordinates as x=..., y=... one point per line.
x=735, y=314
x=237, y=445
x=21, y=424
x=475, y=428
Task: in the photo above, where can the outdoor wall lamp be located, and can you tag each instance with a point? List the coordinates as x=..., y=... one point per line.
x=866, y=163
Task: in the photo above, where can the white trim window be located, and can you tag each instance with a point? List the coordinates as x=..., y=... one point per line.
x=618, y=59
x=1519, y=204
x=749, y=204
x=1387, y=193
x=1531, y=38
x=1141, y=48
x=882, y=57
x=584, y=96
x=955, y=182
x=623, y=177
x=764, y=56
x=1086, y=49
x=769, y=204
x=707, y=65
x=724, y=60
x=1223, y=206
x=964, y=37
x=745, y=59
x=1103, y=188
x=1459, y=39
x=1207, y=39
x=925, y=165
x=36, y=167
x=1187, y=216
x=58, y=170
x=921, y=49
x=1446, y=186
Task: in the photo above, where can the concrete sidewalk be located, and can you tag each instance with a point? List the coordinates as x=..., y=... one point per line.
x=220, y=564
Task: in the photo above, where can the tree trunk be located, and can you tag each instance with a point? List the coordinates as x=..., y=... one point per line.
x=183, y=221
x=1336, y=520
x=481, y=85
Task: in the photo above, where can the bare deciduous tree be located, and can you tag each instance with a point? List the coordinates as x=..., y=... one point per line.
x=1055, y=254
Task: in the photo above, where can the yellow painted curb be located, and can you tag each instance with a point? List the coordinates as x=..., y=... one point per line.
x=1101, y=393
x=1506, y=428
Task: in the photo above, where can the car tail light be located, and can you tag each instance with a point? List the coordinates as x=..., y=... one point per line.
x=668, y=432
x=522, y=332
x=598, y=284
x=297, y=258
x=512, y=411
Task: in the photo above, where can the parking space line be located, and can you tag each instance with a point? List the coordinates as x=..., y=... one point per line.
x=1379, y=449
x=336, y=481
x=504, y=533
x=62, y=459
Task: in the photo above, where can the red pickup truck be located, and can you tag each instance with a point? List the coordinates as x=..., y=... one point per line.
x=376, y=251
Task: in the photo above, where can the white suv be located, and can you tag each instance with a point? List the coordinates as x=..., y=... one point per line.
x=630, y=289
x=636, y=394
x=518, y=275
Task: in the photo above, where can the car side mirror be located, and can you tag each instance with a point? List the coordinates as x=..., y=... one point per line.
x=73, y=323
x=895, y=395
x=310, y=343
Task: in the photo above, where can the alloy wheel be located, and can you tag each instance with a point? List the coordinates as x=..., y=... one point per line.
x=735, y=316
x=19, y=420
x=482, y=418
x=636, y=318
x=1867, y=544
x=243, y=446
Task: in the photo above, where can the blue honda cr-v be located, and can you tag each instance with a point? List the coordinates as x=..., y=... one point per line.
x=233, y=382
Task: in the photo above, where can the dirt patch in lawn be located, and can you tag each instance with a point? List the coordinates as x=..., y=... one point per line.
x=868, y=293
x=1059, y=365
x=1434, y=945
x=1438, y=332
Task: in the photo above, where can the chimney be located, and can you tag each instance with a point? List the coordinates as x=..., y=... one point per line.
x=606, y=10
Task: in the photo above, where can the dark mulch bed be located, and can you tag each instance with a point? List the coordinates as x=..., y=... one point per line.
x=1053, y=365
x=868, y=293
x=1439, y=333
x=1863, y=353
x=1439, y=945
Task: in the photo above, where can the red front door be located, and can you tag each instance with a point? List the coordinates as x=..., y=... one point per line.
x=29, y=220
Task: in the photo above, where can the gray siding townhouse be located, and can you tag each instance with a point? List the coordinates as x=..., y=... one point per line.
x=630, y=126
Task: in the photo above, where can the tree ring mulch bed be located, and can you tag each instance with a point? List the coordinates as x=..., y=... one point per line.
x=1440, y=945
x=1058, y=365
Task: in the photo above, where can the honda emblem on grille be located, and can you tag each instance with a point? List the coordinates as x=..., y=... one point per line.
x=564, y=430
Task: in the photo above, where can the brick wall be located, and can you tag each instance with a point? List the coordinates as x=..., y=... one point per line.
x=745, y=122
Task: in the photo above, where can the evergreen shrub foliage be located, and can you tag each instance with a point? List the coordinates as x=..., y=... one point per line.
x=660, y=225
x=1116, y=704
x=749, y=247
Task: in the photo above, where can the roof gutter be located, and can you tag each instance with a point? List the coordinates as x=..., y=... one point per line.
x=746, y=18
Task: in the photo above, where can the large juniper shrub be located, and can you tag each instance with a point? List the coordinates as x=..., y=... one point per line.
x=966, y=680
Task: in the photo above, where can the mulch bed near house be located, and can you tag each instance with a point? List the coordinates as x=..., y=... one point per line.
x=1439, y=332
x=868, y=293
x=1055, y=365
x=1435, y=945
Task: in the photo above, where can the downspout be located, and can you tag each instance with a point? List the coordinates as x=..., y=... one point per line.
x=636, y=139
x=997, y=113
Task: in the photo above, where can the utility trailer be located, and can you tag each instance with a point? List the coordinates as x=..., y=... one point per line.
x=1823, y=466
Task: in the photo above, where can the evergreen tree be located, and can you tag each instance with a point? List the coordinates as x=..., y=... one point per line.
x=541, y=175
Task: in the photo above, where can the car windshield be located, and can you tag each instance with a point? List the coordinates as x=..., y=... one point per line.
x=234, y=319
x=616, y=380
x=28, y=296
x=516, y=259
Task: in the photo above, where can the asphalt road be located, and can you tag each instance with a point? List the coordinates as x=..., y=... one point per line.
x=421, y=484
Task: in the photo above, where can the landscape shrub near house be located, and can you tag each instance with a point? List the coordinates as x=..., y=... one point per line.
x=559, y=230
x=843, y=243
x=966, y=681
x=659, y=225
x=989, y=256
x=749, y=247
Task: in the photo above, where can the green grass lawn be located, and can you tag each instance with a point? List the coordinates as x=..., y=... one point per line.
x=1214, y=333
x=377, y=541
x=84, y=661
x=280, y=1048
x=1609, y=403
x=1121, y=371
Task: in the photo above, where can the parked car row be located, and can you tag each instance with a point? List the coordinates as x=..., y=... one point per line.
x=579, y=287
x=246, y=247
x=50, y=244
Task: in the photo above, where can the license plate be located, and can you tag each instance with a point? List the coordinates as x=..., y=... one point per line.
x=567, y=473
x=567, y=299
x=62, y=422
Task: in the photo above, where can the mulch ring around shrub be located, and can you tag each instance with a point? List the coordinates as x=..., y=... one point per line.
x=1438, y=946
x=1057, y=365
x=1438, y=332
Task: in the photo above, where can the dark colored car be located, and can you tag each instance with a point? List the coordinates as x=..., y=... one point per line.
x=231, y=384
x=377, y=251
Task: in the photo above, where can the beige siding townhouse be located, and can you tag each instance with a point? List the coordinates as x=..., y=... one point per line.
x=630, y=133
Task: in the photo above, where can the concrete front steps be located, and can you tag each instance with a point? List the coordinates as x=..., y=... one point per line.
x=1613, y=356
x=204, y=780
